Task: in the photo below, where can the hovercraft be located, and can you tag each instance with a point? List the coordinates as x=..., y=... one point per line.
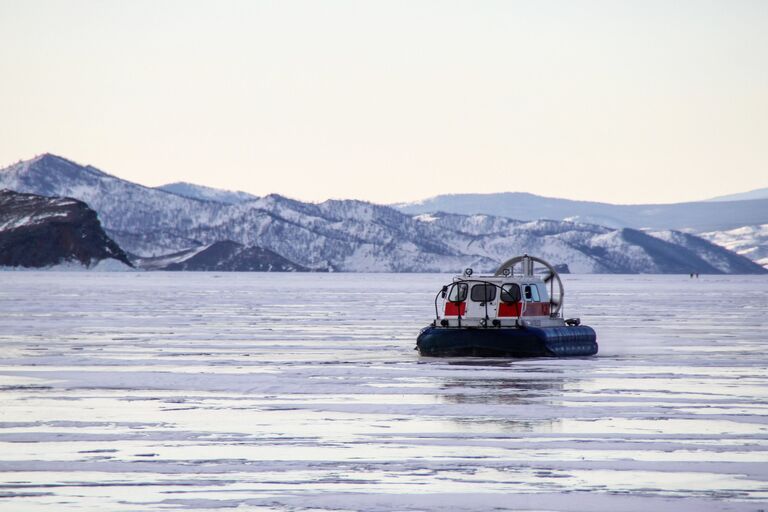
x=516, y=312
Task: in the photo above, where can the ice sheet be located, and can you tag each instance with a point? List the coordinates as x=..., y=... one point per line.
x=203, y=391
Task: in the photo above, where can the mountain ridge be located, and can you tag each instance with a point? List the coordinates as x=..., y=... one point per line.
x=758, y=193
x=698, y=216
x=347, y=235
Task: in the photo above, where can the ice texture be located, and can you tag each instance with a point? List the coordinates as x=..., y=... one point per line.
x=208, y=391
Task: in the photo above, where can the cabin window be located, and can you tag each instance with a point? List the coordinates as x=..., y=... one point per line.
x=531, y=293
x=483, y=293
x=510, y=292
x=458, y=292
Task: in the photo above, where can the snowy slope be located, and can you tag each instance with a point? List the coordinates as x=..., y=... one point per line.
x=161, y=262
x=716, y=255
x=193, y=191
x=749, y=241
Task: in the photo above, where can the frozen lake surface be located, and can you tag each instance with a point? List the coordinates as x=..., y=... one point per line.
x=176, y=391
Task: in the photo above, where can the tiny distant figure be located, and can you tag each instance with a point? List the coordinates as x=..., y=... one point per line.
x=697, y=275
x=691, y=275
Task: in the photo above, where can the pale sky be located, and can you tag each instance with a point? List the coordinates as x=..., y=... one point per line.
x=616, y=101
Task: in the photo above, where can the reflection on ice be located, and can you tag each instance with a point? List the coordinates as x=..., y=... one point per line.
x=148, y=391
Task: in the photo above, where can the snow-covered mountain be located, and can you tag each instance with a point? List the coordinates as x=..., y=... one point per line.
x=126, y=209
x=351, y=235
x=696, y=217
x=38, y=231
x=182, y=188
x=588, y=248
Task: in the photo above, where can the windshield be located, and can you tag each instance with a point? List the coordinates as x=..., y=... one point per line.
x=510, y=292
x=483, y=292
x=458, y=292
